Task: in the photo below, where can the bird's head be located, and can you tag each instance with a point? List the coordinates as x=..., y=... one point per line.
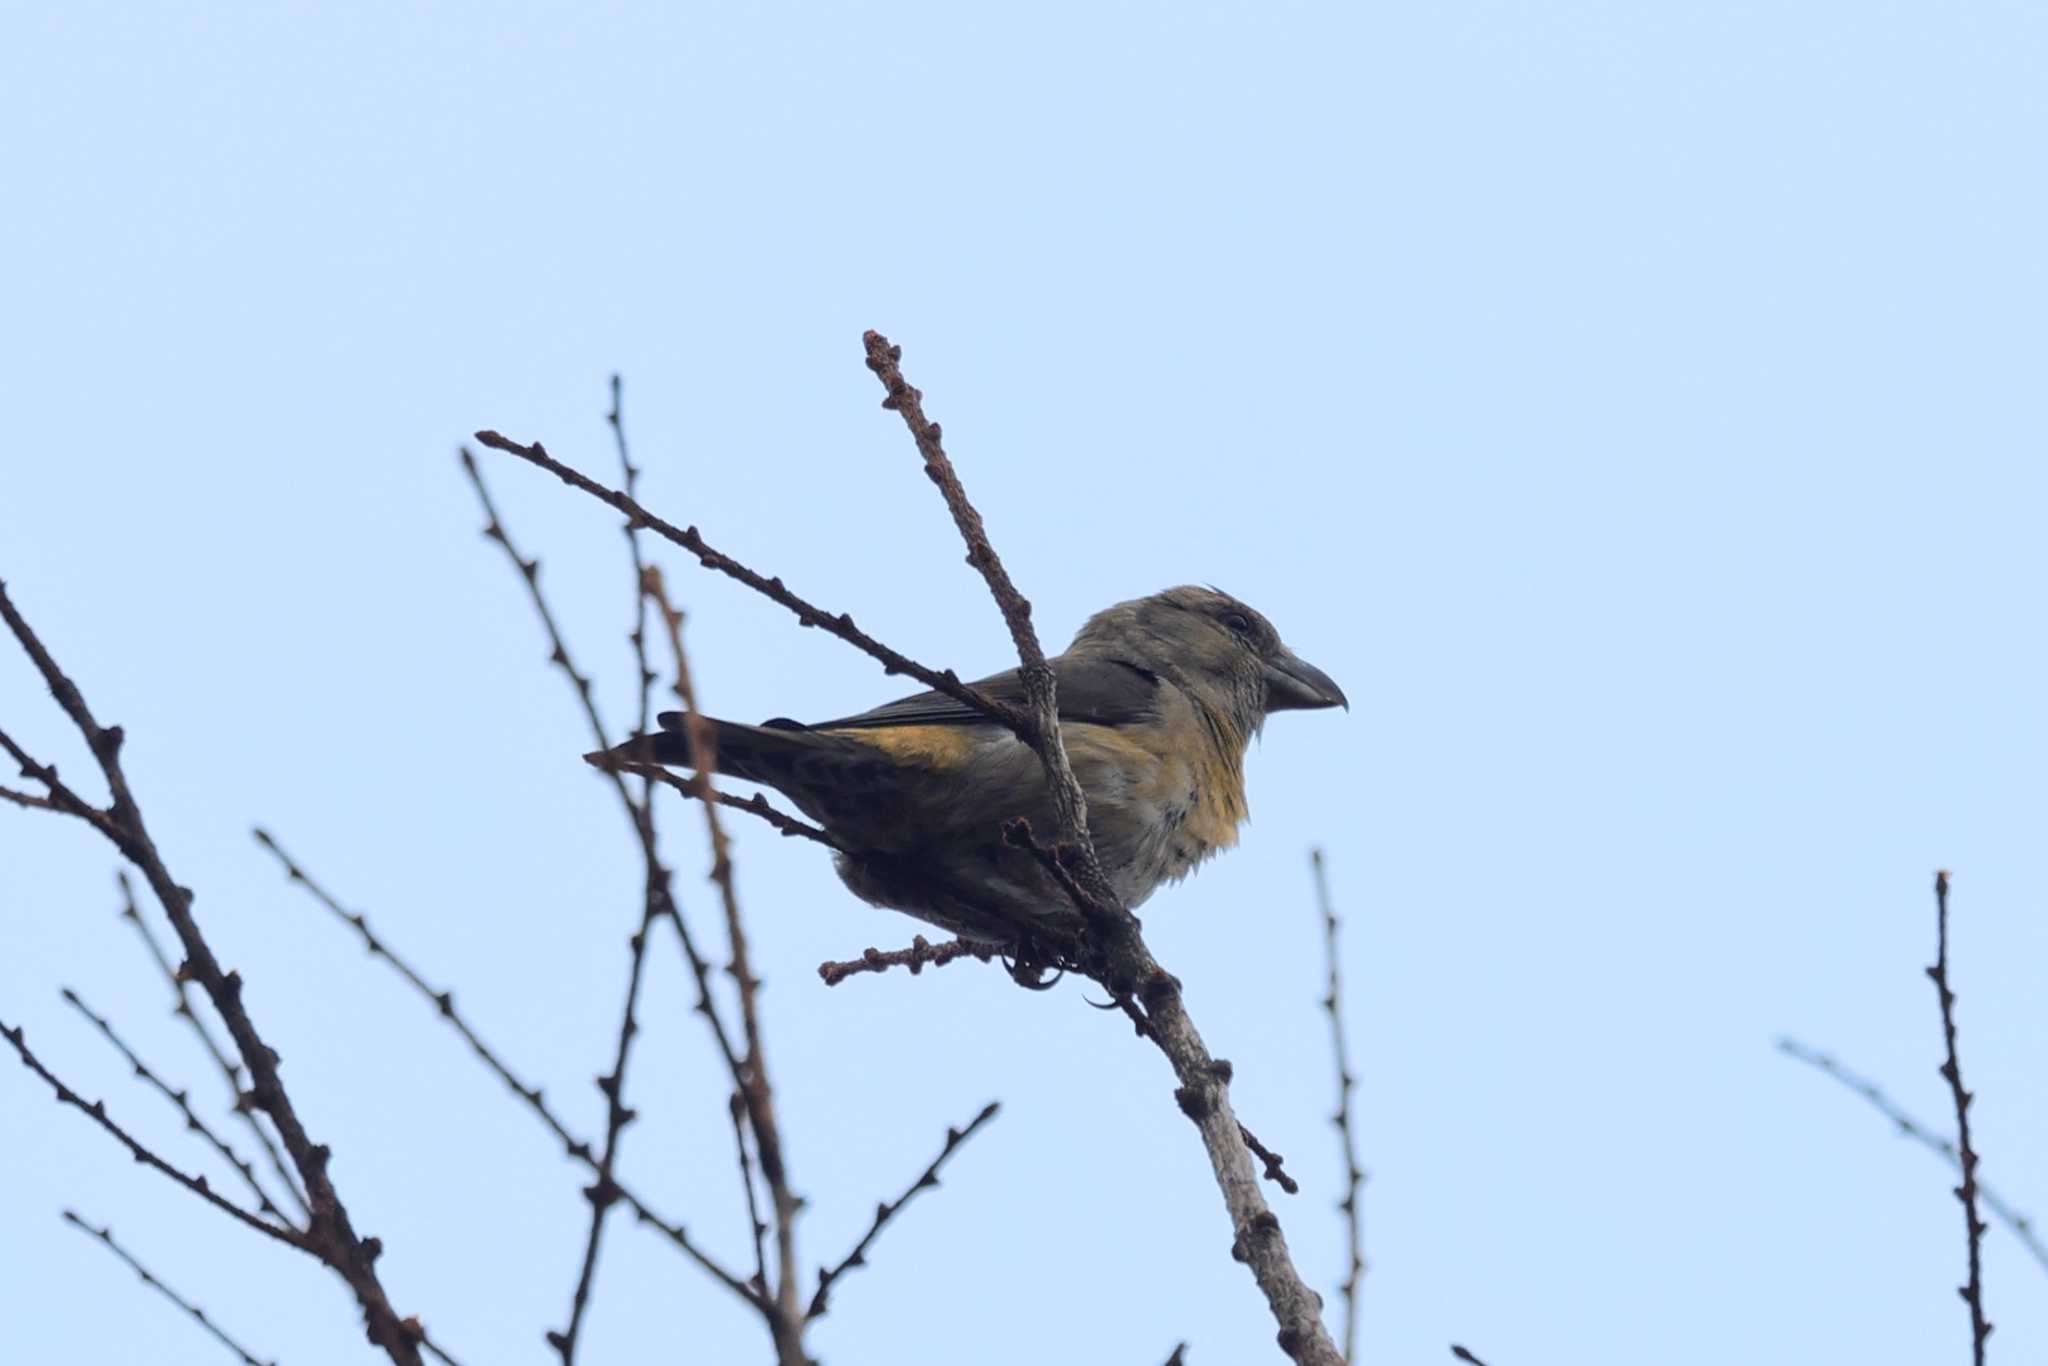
x=1214, y=647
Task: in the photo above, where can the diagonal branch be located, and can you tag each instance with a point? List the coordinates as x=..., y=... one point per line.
x=1354, y=1176
x=230, y=1071
x=96, y=1111
x=105, y=1236
x=888, y=1210
x=2022, y=1225
x=807, y=613
x=1972, y=1291
x=534, y=1097
x=329, y=1234
x=1125, y=964
x=659, y=903
x=756, y=1095
x=182, y=1100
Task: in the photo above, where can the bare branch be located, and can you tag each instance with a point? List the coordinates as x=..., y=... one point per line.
x=1275, y=1171
x=106, y=1237
x=629, y=474
x=921, y=952
x=756, y=805
x=1464, y=1355
x=1354, y=1175
x=807, y=614
x=756, y=1094
x=329, y=1234
x=182, y=1100
x=230, y=1071
x=1124, y=964
x=96, y=1111
x=534, y=1097
x=888, y=1210
x=1952, y=1070
x=659, y=902
x=2022, y=1225
x=29, y=800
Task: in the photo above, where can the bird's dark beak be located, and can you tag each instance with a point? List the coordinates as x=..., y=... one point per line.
x=1294, y=684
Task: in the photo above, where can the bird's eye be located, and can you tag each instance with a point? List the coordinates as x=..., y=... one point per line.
x=1238, y=622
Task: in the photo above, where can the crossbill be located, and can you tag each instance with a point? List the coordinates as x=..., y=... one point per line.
x=1159, y=698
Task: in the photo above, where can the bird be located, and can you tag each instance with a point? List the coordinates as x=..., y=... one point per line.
x=1159, y=698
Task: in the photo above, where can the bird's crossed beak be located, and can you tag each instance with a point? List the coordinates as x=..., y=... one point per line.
x=1294, y=684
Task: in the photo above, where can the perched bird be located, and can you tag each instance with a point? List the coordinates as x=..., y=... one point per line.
x=1158, y=699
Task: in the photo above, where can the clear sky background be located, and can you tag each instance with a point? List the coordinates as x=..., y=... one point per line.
x=1636, y=407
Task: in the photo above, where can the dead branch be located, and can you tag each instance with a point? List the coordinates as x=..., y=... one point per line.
x=105, y=1236
x=1354, y=1175
x=2021, y=1224
x=330, y=1234
x=889, y=1209
x=1972, y=1290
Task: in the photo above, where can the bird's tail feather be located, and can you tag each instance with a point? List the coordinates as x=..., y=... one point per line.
x=775, y=754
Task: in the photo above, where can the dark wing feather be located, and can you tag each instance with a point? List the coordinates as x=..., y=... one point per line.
x=1105, y=692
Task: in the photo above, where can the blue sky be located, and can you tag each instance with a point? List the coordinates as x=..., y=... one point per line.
x=1636, y=408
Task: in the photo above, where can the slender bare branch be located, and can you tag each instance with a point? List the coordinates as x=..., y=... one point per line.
x=922, y=952
x=329, y=1234
x=888, y=1210
x=29, y=800
x=2021, y=1224
x=96, y=1111
x=534, y=1097
x=105, y=1236
x=181, y=1099
x=658, y=902
x=1124, y=965
x=1972, y=1291
x=807, y=614
x=1354, y=1175
x=756, y=1091
x=629, y=475
x=756, y=805
x=230, y=1071
x=1465, y=1355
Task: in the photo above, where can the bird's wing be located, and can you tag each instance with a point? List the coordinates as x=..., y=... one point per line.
x=1104, y=692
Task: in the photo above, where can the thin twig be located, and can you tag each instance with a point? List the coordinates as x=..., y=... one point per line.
x=756, y=805
x=329, y=1234
x=1276, y=1171
x=96, y=1111
x=1354, y=1176
x=756, y=1093
x=182, y=1100
x=230, y=1071
x=534, y=1097
x=807, y=614
x=1125, y=966
x=105, y=1236
x=888, y=1210
x=1180, y=1355
x=658, y=902
x=28, y=799
x=1952, y=1070
x=921, y=953
x=1464, y=1355
x=629, y=474
x=2021, y=1224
